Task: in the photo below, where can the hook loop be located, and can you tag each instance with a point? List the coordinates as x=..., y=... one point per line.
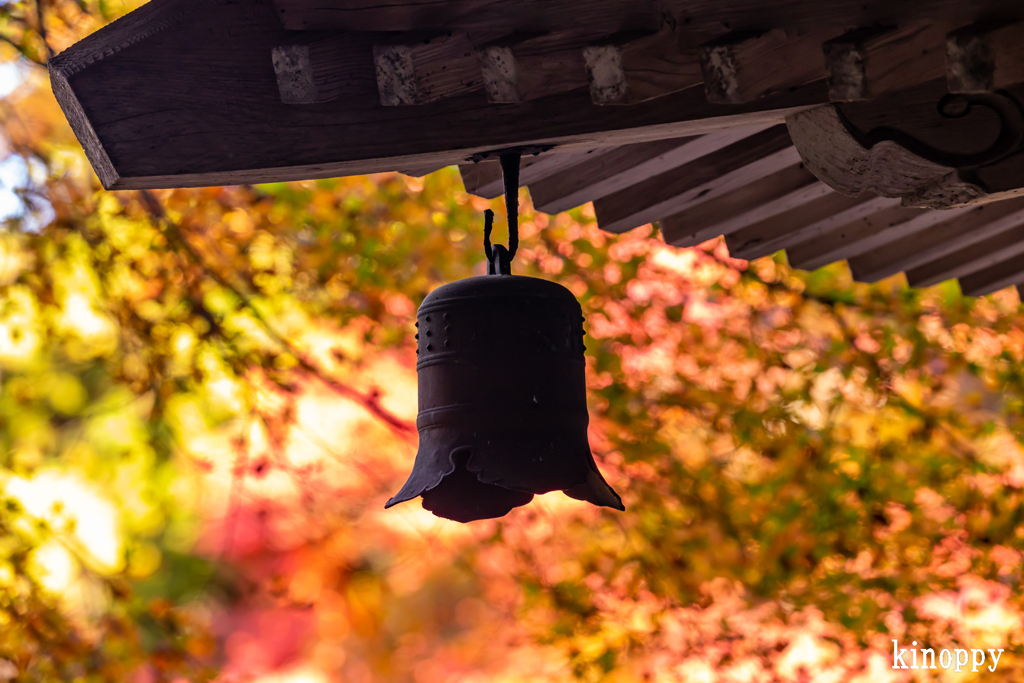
x=499, y=259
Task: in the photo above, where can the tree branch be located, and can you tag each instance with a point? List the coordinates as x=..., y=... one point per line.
x=40, y=20
x=370, y=401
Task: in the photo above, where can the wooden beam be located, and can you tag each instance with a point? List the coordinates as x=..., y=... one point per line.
x=836, y=245
x=625, y=15
x=948, y=233
x=521, y=69
x=320, y=70
x=641, y=69
x=197, y=103
x=625, y=166
x=702, y=180
x=772, y=195
x=66, y=69
x=509, y=15
x=741, y=67
x=426, y=70
x=998, y=276
x=985, y=57
x=819, y=217
x=868, y=62
x=484, y=178
x=183, y=93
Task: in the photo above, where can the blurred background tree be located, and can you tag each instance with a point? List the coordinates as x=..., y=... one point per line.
x=207, y=395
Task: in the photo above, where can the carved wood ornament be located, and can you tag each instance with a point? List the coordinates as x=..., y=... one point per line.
x=892, y=163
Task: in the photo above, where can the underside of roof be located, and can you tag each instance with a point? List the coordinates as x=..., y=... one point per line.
x=887, y=133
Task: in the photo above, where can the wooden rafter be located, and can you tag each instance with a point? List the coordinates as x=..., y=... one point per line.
x=484, y=178
x=977, y=257
x=702, y=180
x=626, y=166
x=947, y=233
x=967, y=251
x=772, y=195
x=1005, y=273
x=845, y=241
x=873, y=233
x=824, y=215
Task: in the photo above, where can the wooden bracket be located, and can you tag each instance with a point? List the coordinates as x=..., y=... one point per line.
x=525, y=68
x=984, y=58
x=893, y=164
x=641, y=69
x=427, y=70
x=868, y=62
x=322, y=70
x=740, y=67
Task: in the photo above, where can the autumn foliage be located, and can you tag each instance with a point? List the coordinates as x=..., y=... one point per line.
x=206, y=397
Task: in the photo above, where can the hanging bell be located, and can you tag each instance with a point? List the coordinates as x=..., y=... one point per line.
x=502, y=391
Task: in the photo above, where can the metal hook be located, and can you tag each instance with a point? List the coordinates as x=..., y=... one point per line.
x=499, y=259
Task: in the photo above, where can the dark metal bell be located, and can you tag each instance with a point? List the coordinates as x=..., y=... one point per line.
x=502, y=399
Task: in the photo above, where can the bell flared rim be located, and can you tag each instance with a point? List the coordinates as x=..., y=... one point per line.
x=468, y=483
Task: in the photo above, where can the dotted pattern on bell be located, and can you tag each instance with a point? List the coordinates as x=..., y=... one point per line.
x=524, y=327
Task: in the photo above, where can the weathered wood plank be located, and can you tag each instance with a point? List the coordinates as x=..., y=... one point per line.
x=819, y=217
x=741, y=67
x=484, y=178
x=521, y=68
x=948, y=232
x=999, y=276
x=320, y=70
x=868, y=62
x=641, y=69
x=426, y=70
x=985, y=57
x=197, y=103
x=843, y=243
x=625, y=15
x=628, y=165
x=770, y=196
x=702, y=180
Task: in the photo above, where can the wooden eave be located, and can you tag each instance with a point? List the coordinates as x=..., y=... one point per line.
x=184, y=93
